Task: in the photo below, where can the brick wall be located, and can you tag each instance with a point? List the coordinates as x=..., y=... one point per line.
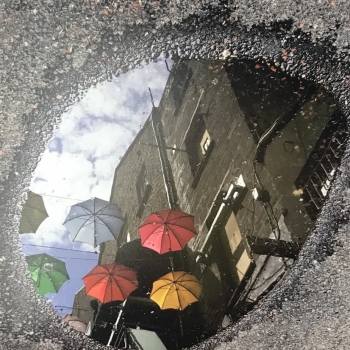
x=82, y=307
x=229, y=113
x=228, y=105
x=211, y=96
x=124, y=192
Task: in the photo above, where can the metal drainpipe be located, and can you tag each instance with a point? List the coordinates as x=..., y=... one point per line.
x=168, y=178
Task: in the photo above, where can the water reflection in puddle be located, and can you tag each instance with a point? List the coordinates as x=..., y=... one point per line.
x=245, y=150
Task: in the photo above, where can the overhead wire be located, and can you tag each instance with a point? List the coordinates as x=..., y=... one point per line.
x=60, y=248
x=70, y=307
x=67, y=257
x=61, y=197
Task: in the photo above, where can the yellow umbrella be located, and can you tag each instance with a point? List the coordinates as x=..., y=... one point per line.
x=176, y=290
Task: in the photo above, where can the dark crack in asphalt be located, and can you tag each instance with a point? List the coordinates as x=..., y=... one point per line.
x=51, y=52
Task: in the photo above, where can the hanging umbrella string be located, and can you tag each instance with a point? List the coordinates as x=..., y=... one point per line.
x=39, y=272
x=45, y=246
x=51, y=195
x=68, y=257
x=81, y=251
x=71, y=307
x=94, y=215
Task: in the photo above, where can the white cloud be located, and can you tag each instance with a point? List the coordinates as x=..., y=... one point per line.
x=81, y=159
x=89, y=142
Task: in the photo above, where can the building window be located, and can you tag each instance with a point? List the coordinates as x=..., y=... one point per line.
x=205, y=142
x=237, y=247
x=143, y=190
x=141, y=184
x=199, y=146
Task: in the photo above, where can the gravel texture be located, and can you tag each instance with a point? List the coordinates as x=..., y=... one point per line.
x=51, y=51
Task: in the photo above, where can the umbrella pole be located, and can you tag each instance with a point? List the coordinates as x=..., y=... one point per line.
x=171, y=262
x=181, y=327
x=94, y=226
x=116, y=323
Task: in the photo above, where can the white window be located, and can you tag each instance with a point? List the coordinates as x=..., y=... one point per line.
x=205, y=142
x=240, y=182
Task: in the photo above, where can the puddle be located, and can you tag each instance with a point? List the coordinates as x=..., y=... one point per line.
x=247, y=151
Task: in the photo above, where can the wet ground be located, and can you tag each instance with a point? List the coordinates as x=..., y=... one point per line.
x=45, y=63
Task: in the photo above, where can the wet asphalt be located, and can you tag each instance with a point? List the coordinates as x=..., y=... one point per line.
x=52, y=51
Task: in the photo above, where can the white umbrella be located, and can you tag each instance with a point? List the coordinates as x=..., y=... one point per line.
x=94, y=221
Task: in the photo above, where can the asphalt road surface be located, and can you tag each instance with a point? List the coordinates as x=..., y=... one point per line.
x=53, y=50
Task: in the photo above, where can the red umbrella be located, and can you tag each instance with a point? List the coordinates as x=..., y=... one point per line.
x=167, y=231
x=110, y=282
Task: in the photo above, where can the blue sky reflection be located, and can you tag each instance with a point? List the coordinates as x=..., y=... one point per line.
x=79, y=164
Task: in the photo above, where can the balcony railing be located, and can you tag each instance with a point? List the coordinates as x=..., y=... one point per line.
x=316, y=177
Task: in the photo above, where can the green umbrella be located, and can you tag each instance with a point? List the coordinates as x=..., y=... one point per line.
x=48, y=273
x=33, y=213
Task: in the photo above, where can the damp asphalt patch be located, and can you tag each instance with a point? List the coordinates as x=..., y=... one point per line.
x=52, y=51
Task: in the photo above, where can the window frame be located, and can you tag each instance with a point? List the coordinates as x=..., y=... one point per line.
x=198, y=157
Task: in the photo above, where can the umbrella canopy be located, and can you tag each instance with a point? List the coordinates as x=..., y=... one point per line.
x=176, y=290
x=110, y=282
x=94, y=221
x=75, y=323
x=33, y=213
x=167, y=231
x=48, y=273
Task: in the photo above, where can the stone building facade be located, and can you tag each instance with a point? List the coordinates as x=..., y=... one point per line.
x=138, y=188
x=247, y=132
x=236, y=146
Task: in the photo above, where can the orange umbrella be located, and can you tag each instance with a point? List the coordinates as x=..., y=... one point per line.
x=110, y=282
